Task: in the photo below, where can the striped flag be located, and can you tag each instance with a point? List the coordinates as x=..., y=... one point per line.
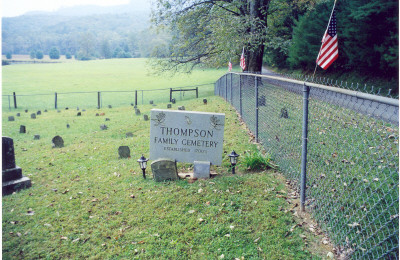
x=329, y=48
x=242, y=61
x=229, y=66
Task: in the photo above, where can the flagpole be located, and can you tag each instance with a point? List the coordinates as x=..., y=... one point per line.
x=319, y=53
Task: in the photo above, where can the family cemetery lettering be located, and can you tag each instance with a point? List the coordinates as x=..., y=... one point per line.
x=186, y=136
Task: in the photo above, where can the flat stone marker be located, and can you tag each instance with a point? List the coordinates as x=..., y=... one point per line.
x=146, y=117
x=107, y=119
x=83, y=110
x=57, y=141
x=164, y=170
x=201, y=170
x=103, y=127
x=186, y=136
x=79, y=114
x=129, y=134
x=97, y=114
x=38, y=112
x=33, y=116
x=18, y=114
x=124, y=152
x=66, y=108
x=45, y=110
x=58, y=111
x=181, y=108
x=169, y=105
x=22, y=129
x=11, y=118
x=137, y=111
x=109, y=106
x=36, y=137
x=12, y=178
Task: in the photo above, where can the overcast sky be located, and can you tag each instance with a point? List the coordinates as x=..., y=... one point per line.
x=18, y=7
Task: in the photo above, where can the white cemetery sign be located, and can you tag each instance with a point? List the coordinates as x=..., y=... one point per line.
x=186, y=136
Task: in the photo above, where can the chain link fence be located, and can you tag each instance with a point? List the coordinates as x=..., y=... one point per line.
x=99, y=99
x=352, y=160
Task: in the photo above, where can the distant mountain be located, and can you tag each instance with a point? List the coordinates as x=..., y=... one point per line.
x=88, y=29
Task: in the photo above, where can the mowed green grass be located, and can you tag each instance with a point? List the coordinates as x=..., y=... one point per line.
x=86, y=203
x=97, y=76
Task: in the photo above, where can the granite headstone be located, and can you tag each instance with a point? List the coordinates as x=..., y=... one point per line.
x=124, y=152
x=164, y=170
x=57, y=141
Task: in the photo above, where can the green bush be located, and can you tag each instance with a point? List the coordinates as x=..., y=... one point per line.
x=39, y=55
x=9, y=55
x=255, y=160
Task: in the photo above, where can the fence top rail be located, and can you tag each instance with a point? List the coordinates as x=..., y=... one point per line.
x=358, y=94
x=121, y=91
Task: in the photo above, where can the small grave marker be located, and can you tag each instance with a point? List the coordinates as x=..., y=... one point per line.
x=201, y=170
x=57, y=141
x=68, y=125
x=164, y=170
x=22, y=129
x=173, y=101
x=205, y=101
x=83, y=110
x=137, y=111
x=18, y=114
x=284, y=113
x=129, y=134
x=77, y=108
x=45, y=110
x=151, y=102
x=109, y=106
x=11, y=118
x=169, y=105
x=181, y=108
x=103, y=127
x=36, y=137
x=38, y=112
x=12, y=179
x=79, y=114
x=33, y=116
x=66, y=108
x=26, y=110
x=146, y=117
x=107, y=119
x=58, y=111
x=124, y=152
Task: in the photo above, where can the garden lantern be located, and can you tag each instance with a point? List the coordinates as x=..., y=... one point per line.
x=143, y=164
x=233, y=158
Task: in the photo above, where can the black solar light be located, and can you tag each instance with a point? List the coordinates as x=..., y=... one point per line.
x=143, y=164
x=233, y=158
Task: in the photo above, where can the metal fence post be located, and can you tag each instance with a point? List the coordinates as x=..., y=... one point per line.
x=15, y=100
x=55, y=100
x=135, y=97
x=306, y=94
x=98, y=100
x=231, y=90
x=170, y=95
x=256, y=90
x=197, y=92
x=240, y=95
x=9, y=102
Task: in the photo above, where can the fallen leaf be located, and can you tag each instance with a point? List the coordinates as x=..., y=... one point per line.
x=256, y=240
x=75, y=240
x=94, y=200
x=64, y=238
x=65, y=191
x=141, y=242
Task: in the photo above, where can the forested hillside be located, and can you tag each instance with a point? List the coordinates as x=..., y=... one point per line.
x=86, y=32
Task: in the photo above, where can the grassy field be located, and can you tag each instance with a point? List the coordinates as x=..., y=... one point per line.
x=85, y=202
x=93, y=76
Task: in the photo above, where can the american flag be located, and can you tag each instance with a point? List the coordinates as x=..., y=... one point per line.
x=329, y=48
x=229, y=66
x=242, y=61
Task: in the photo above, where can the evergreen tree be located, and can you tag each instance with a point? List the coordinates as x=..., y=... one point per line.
x=39, y=55
x=54, y=53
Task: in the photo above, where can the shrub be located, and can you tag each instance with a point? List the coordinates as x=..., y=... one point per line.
x=68, y=56
x=39, y=55
x=54, y=53
x=255, y=160
x=9, y=55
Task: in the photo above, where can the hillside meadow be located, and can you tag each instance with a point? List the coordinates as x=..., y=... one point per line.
x=87, y=203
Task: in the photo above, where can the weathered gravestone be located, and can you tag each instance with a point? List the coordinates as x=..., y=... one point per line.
x=124, y=152
x=164, y=170
x=284, y=113
x=13, y=179
x=79, y=114
x=33, y=116
x=107, y=119
x=186, y=136
x=36, y=137
x=129, y=134
x=97, y=114
x=151, y=102
x=205, y=101
x=58, y=111
x=68, y=126
x=22, y=129
x=146, y=117
x=18, y=114
x=173, y=101
x=103, y=127
x=11, y=118
x=169, y=105
x=57, y=141
x=109, y=106
x=26, y=110
x=38, y=112
x=137, y=111
x=45, y=110
x=181, y=108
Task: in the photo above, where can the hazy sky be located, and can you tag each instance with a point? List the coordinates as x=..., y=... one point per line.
x=19, y=7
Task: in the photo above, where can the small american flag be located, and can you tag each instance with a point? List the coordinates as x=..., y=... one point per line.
x=329, y=48
x=242, y=61
x=229, y=66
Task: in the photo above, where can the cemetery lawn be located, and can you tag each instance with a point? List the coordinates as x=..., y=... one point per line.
x=85, y=202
